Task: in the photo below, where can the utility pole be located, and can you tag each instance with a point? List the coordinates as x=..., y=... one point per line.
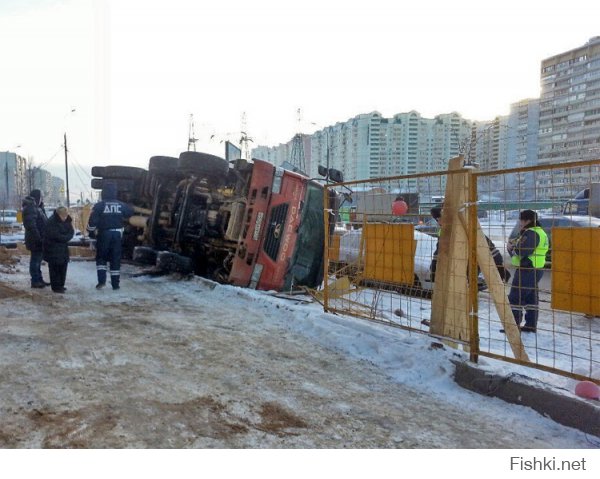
x=245, y=139
x=191, y=136
x=66, y=157
x=67, y=170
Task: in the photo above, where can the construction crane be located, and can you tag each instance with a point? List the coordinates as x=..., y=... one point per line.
x=237, y=137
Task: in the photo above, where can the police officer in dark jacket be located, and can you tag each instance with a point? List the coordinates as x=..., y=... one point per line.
x=59, y=231
x=528, y=255
x=106, y=224
x=34, y=221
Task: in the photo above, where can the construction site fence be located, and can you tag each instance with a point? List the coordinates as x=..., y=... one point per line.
x=456, y=279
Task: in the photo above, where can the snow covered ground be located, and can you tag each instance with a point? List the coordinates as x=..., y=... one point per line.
x=12, y=237
x=565, y=341
x=170, y=363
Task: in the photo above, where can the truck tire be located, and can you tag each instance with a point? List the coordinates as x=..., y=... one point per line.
x=123, y=185
x=123, y=172
x=174, y=263
x=147, y=186
x=203, y=164
x=144, y=255
x=163, y=165
x=140, y=186
x=98, y=171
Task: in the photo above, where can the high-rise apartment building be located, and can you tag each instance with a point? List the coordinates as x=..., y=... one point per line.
x=353, y=147
x=371, y=146
x=522, y=147
x=451, y=135
x=563, y=125
x=569, y=128
x=42, y=180
x=281, y=153
x=13, y=185
x=491, y=143
x=406, y=144
x=56, y=195
x=489, y=148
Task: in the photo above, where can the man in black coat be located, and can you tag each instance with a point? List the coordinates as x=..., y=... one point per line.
x=59, y=231
x=34, y=221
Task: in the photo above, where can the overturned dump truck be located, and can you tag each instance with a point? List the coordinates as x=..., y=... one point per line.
x=246, y=223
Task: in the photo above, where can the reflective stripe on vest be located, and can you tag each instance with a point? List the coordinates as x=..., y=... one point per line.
x=538, y=258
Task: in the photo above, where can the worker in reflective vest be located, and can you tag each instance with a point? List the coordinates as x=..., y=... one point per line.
x=528, y=255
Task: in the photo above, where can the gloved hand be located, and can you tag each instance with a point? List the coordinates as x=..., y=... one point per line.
x=504, y=274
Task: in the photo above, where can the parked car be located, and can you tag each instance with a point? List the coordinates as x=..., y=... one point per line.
x=565, y=221
x=579, y=205
x=422, y=286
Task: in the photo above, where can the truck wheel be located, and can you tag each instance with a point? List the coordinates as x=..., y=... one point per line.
x=98, y=171
x=141, y=184
x=174, y=263
x=123, y=172
x=123, y=185
x=163, y=166
x=144, y=255
x=203, y=164
x=147, y=186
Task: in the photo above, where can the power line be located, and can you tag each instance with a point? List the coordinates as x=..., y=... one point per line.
x=79, y=169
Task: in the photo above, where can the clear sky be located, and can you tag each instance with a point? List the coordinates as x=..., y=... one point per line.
x=134, y=70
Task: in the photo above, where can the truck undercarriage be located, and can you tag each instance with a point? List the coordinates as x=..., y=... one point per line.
x=234, y=223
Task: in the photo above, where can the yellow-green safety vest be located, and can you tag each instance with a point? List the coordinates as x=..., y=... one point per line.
x=538, y=258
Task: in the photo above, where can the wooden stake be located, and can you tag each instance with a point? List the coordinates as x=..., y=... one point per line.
x=450, y=307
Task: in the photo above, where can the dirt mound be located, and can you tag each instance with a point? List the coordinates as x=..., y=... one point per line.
x=8, y=260
x=9, y=292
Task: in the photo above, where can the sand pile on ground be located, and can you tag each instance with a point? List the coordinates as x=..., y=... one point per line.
x=8, y=260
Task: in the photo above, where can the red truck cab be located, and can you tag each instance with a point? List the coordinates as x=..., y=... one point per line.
x=284, y=212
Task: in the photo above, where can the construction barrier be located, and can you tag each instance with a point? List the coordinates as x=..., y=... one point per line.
x=380, y=265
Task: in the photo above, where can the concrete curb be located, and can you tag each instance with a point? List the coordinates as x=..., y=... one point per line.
x=557, y=404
